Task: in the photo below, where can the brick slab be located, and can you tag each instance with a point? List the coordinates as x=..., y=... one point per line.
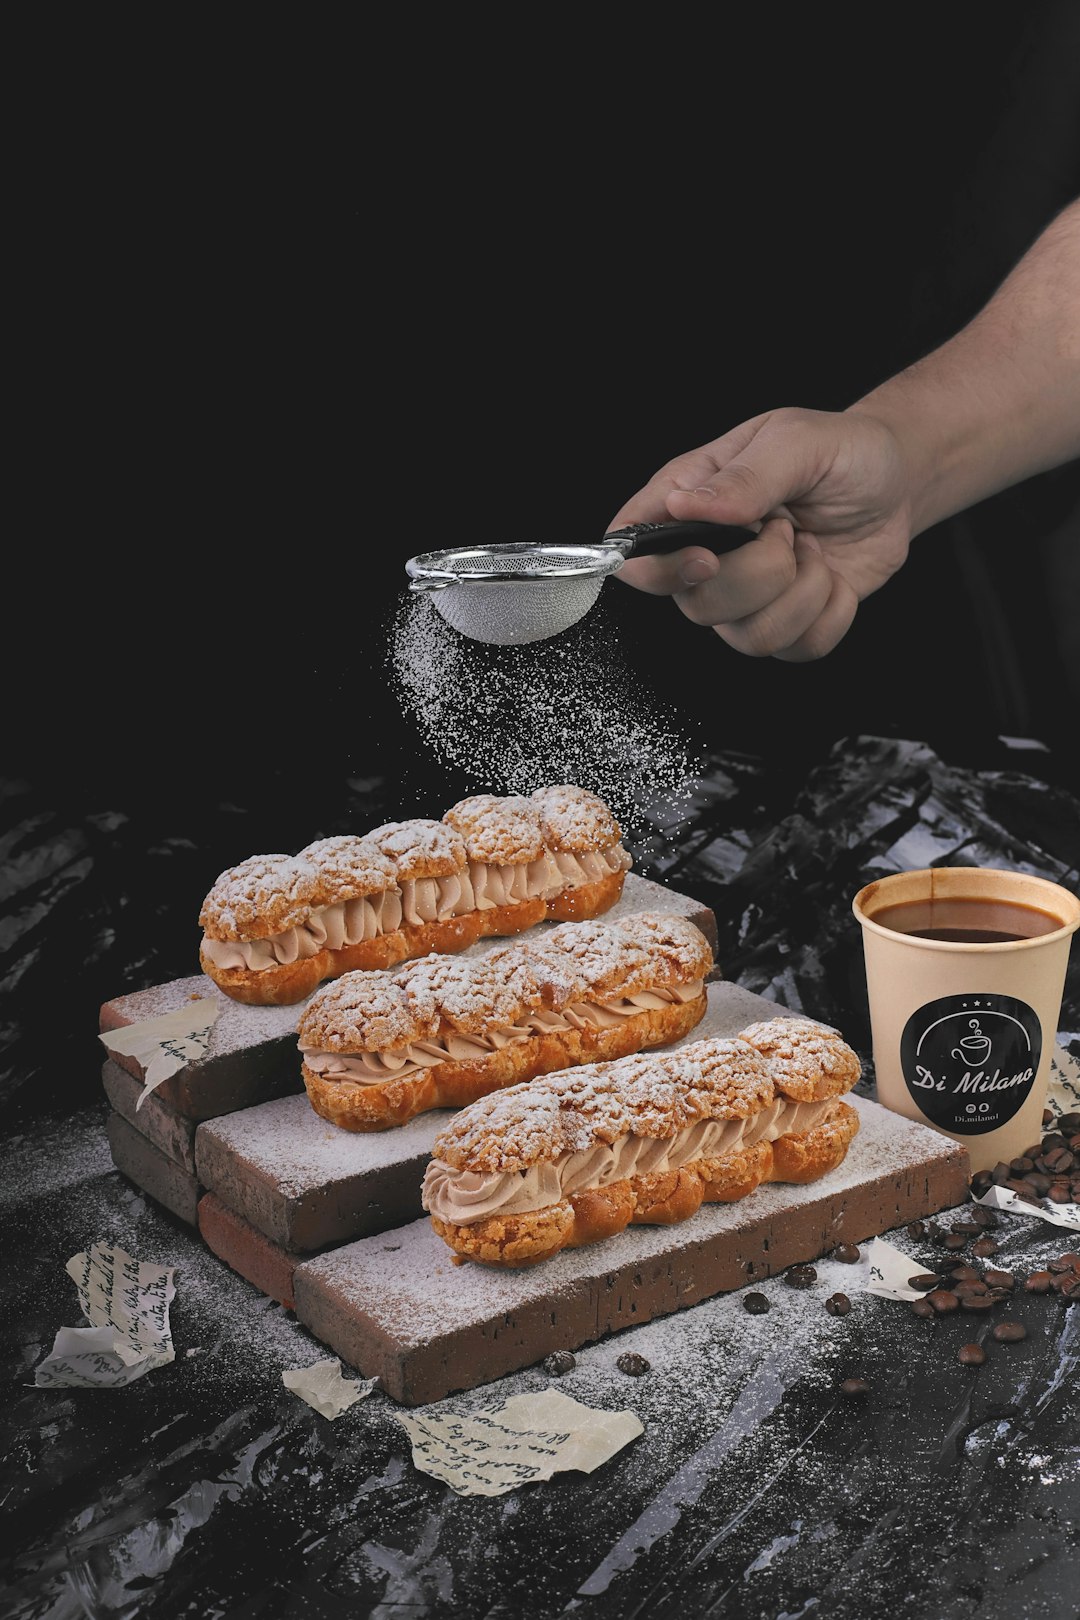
x=162, y=1125
x=266, y=1265
x=144, y=1164
x=396, y=1307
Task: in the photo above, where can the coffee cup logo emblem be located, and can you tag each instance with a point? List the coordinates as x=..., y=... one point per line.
x=969, y=1062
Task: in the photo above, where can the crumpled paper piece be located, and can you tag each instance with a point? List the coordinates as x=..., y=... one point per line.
x=1063, y=1085
x=126, y=1303
x=890, y=1269
x=323, y=1387
x=529, y=1437
x=1067, y=1215
x=163, y=1045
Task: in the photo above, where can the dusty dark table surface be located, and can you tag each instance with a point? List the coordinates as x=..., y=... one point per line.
x=208, y=1489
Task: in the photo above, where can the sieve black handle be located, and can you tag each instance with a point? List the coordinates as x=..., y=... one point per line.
x=646, y=539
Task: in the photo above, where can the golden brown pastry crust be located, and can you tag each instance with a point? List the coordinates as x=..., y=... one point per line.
x=267, y=895
x=665, y=1198
x=455, y=1084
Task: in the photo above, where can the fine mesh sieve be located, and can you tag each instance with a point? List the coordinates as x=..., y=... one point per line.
x=519, y=592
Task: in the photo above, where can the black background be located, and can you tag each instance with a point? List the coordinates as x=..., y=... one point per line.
x=288, y=328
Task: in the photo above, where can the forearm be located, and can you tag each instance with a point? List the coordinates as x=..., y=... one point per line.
x=1000, y=401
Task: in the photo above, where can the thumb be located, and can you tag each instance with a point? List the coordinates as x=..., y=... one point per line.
x=776, y=467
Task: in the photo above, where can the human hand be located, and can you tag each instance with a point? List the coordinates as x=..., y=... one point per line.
x=828, y=492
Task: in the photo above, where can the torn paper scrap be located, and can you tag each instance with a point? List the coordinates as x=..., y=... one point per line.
x=1067, y=1215
x=889, y=1271
x=126, y=1303
x=163, y=1045
x=1063, y=1084
x=529, y=1437
x=323, y=1386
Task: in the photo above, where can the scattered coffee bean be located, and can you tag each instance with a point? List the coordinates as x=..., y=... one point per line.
x=1020, y=1167
x=944, y=1301
x=966, y=1229
x=985, y=1219
x=853, y=1388
x=922, y=1307
x=924, y=1281
x=1038, y=1184
x=1038, y=1283
x=1009, y=1332
x=1048, y=1116
x=756, y=1304
x=984, y=1248
x=847, y=1253
x=970, y=1290
x=1000, y=1174
x=1061, y=1280
x=633, y=1364
x=1071, y=1291
x=964, y=1273
x=1059, y=1193
x=999, y=1279
x=838, y=1304
x=1068, y=1123
x=971, y=1355
x=1064, y=1262
x=978, y=1302
x=917, y=1229
x=1072, y=1260
x=559, y=1362
x=800, y=1276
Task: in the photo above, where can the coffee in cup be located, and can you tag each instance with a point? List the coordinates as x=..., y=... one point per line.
x=965, y=968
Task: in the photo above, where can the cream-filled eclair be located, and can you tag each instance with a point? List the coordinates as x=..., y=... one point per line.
x=442, y=1031
x=275, y=926
x=570, y=1158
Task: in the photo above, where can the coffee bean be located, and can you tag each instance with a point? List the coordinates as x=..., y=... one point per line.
x=800, y=1276
x=1038, y=1184
x=559, y=1362
x=1048, y=1116
x=853, y=1388
x=1071, y=1291
x=1059, y=1193
x=1038, y=1283
x=964, y=1273
x=1071, y=1259
x=1033, y=1151
x=924, y=1280
x=984, y=1248
x=1009, y=1332
x=1069, y=1122
x=954, y=1240
x=978, y=1302
x=847, y=1253
x=838, y=1304
x=917, y=1229
x=1061, y=1281
x=981, y=1182
x=970, y=1290
x=944, y=1301
x=999, y=1279
x=922, y=1307
x=632, y=1364
x=965, y=1228
x=985, y=1219
x=1000, y=1174
x=1064, y=1262
x=1052, y=1141
x=1020, y=1167
x=971, y=1355
x=756, y=1304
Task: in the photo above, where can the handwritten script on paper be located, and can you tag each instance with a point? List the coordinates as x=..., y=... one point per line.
x=325, y=1388
x=527, y=1438
x=890, y=1269
x=126, y=1303
x=164, y=1045
x=1063, y=1085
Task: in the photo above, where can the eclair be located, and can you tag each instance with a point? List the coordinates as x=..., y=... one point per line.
x=574, y=1157
x=442, y=1031
x=275, y=926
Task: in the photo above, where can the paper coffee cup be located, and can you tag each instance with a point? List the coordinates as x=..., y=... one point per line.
x=963, y=1034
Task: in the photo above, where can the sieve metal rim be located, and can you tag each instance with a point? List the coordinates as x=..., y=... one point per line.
x=429, y=570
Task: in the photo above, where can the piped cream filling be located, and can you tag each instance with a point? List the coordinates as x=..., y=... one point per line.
x=478, y=887
x=373, y=1068
x=461, y=1197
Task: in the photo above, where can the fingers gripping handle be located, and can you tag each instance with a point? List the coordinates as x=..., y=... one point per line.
x=647, y=539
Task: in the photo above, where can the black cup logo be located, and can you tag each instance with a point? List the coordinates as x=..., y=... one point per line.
x=970, y=1061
